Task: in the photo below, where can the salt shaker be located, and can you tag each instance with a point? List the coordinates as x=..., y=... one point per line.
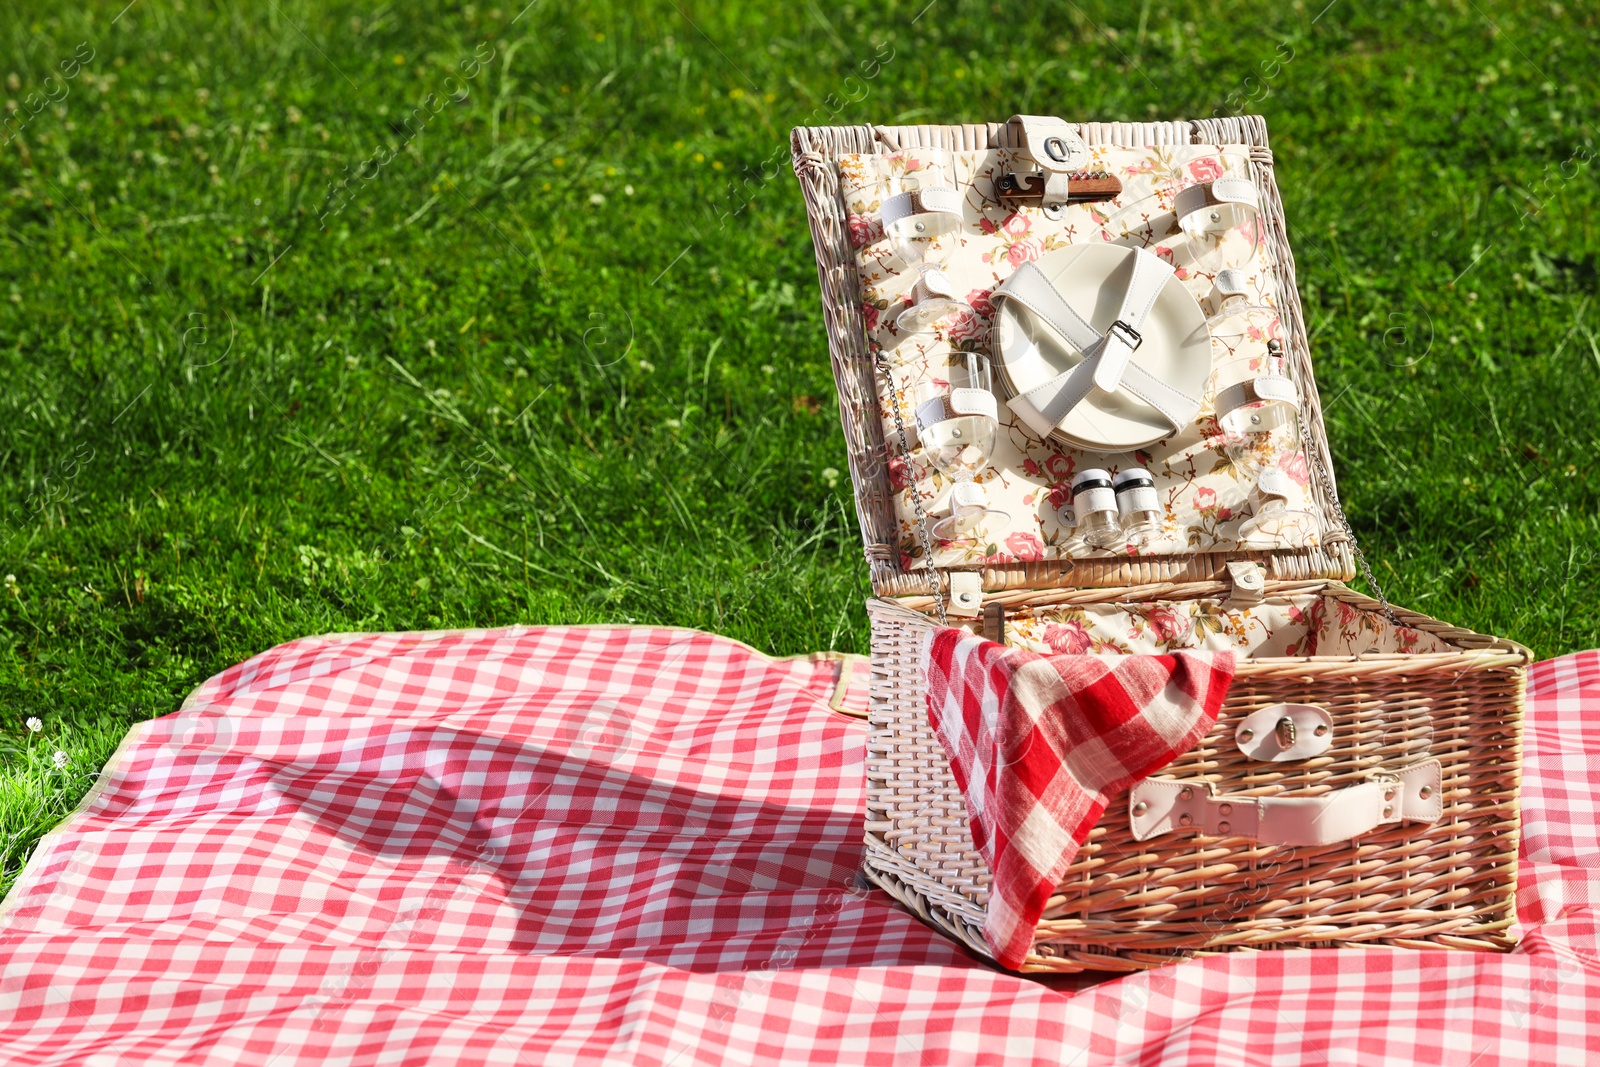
x=1094, y=498
x=1138, y=504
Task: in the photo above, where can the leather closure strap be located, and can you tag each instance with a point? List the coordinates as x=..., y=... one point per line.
x=1150, y=274
x=1158, y=806
x=1031, y=289
x=1054, y=147
x=966, y=593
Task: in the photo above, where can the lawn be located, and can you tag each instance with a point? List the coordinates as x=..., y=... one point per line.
x=321, y=317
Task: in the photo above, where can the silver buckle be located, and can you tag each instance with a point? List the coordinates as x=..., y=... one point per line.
x=1127, y=335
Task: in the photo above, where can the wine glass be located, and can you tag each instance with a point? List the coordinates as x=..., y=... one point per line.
x=1206, y=204
x=958, y=424
x=1209, y=212
x=1251, y=391
x=922, y=218
x=1258, y=412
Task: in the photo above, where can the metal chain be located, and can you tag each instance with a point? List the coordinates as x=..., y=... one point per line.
x=916, y=499
x=1338, y=512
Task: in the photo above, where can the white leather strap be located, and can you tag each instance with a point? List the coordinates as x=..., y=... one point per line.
x=1175, y=405
x=1216, y=206
x=932, y=295
x=1272, y=482
x=1232, y=282
x=966, y=593
x=1285, y=732
x=1106, y=357
x=1274, y=387
x=1160, y=805
x=973, y=402
x=955, y=404
x=1150, y=274
x=968, y=495
x=932, y=282
x=902, y=206
x=1054, y=147
x=1029, y=288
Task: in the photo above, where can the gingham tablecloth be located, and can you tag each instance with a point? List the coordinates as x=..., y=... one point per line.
x=551, y=846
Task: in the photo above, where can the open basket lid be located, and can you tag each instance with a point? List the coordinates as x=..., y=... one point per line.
x=853, y=179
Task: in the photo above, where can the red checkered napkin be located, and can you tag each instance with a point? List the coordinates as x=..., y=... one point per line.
x=1040, y=744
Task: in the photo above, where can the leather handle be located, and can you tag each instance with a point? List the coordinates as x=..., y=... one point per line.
x=1162, y=805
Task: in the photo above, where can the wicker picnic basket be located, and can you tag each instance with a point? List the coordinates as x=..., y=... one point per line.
x=1408, y=692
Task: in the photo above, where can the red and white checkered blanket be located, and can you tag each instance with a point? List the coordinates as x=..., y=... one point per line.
x=557, y=846
x=1039, y=744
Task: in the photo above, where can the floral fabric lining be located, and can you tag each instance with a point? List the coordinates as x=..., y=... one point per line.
x=1028, y=478
x=1306, y=624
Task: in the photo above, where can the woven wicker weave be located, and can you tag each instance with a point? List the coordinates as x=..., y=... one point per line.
x=1125, y=904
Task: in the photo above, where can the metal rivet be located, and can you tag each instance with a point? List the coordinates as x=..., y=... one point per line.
x=1185, y=793
x=1321, y=730
x=920, y=227
x=1388, y=794
x=1223, y=828
x=1215, y=217
x=1425, y=792
x=1227, y=809
x=1387, y=812
x=1140, y=808
x=1245, y=736
x=1184, y=820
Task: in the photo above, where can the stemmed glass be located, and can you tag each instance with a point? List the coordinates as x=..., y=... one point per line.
x=958, y=424
x=922, y=219
x=1258, y=412
x=1206, y=211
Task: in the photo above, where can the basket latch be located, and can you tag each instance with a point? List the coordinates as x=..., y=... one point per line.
x=1285, y=732
x=1249, y=581
x=1056, y=150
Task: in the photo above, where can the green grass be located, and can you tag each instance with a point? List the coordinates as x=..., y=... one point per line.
x=542, y=366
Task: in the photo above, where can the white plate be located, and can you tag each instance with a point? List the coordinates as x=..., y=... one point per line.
x=1092, y=278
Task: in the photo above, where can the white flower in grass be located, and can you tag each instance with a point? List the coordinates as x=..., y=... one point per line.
x=60, y=759
x=34, y=724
